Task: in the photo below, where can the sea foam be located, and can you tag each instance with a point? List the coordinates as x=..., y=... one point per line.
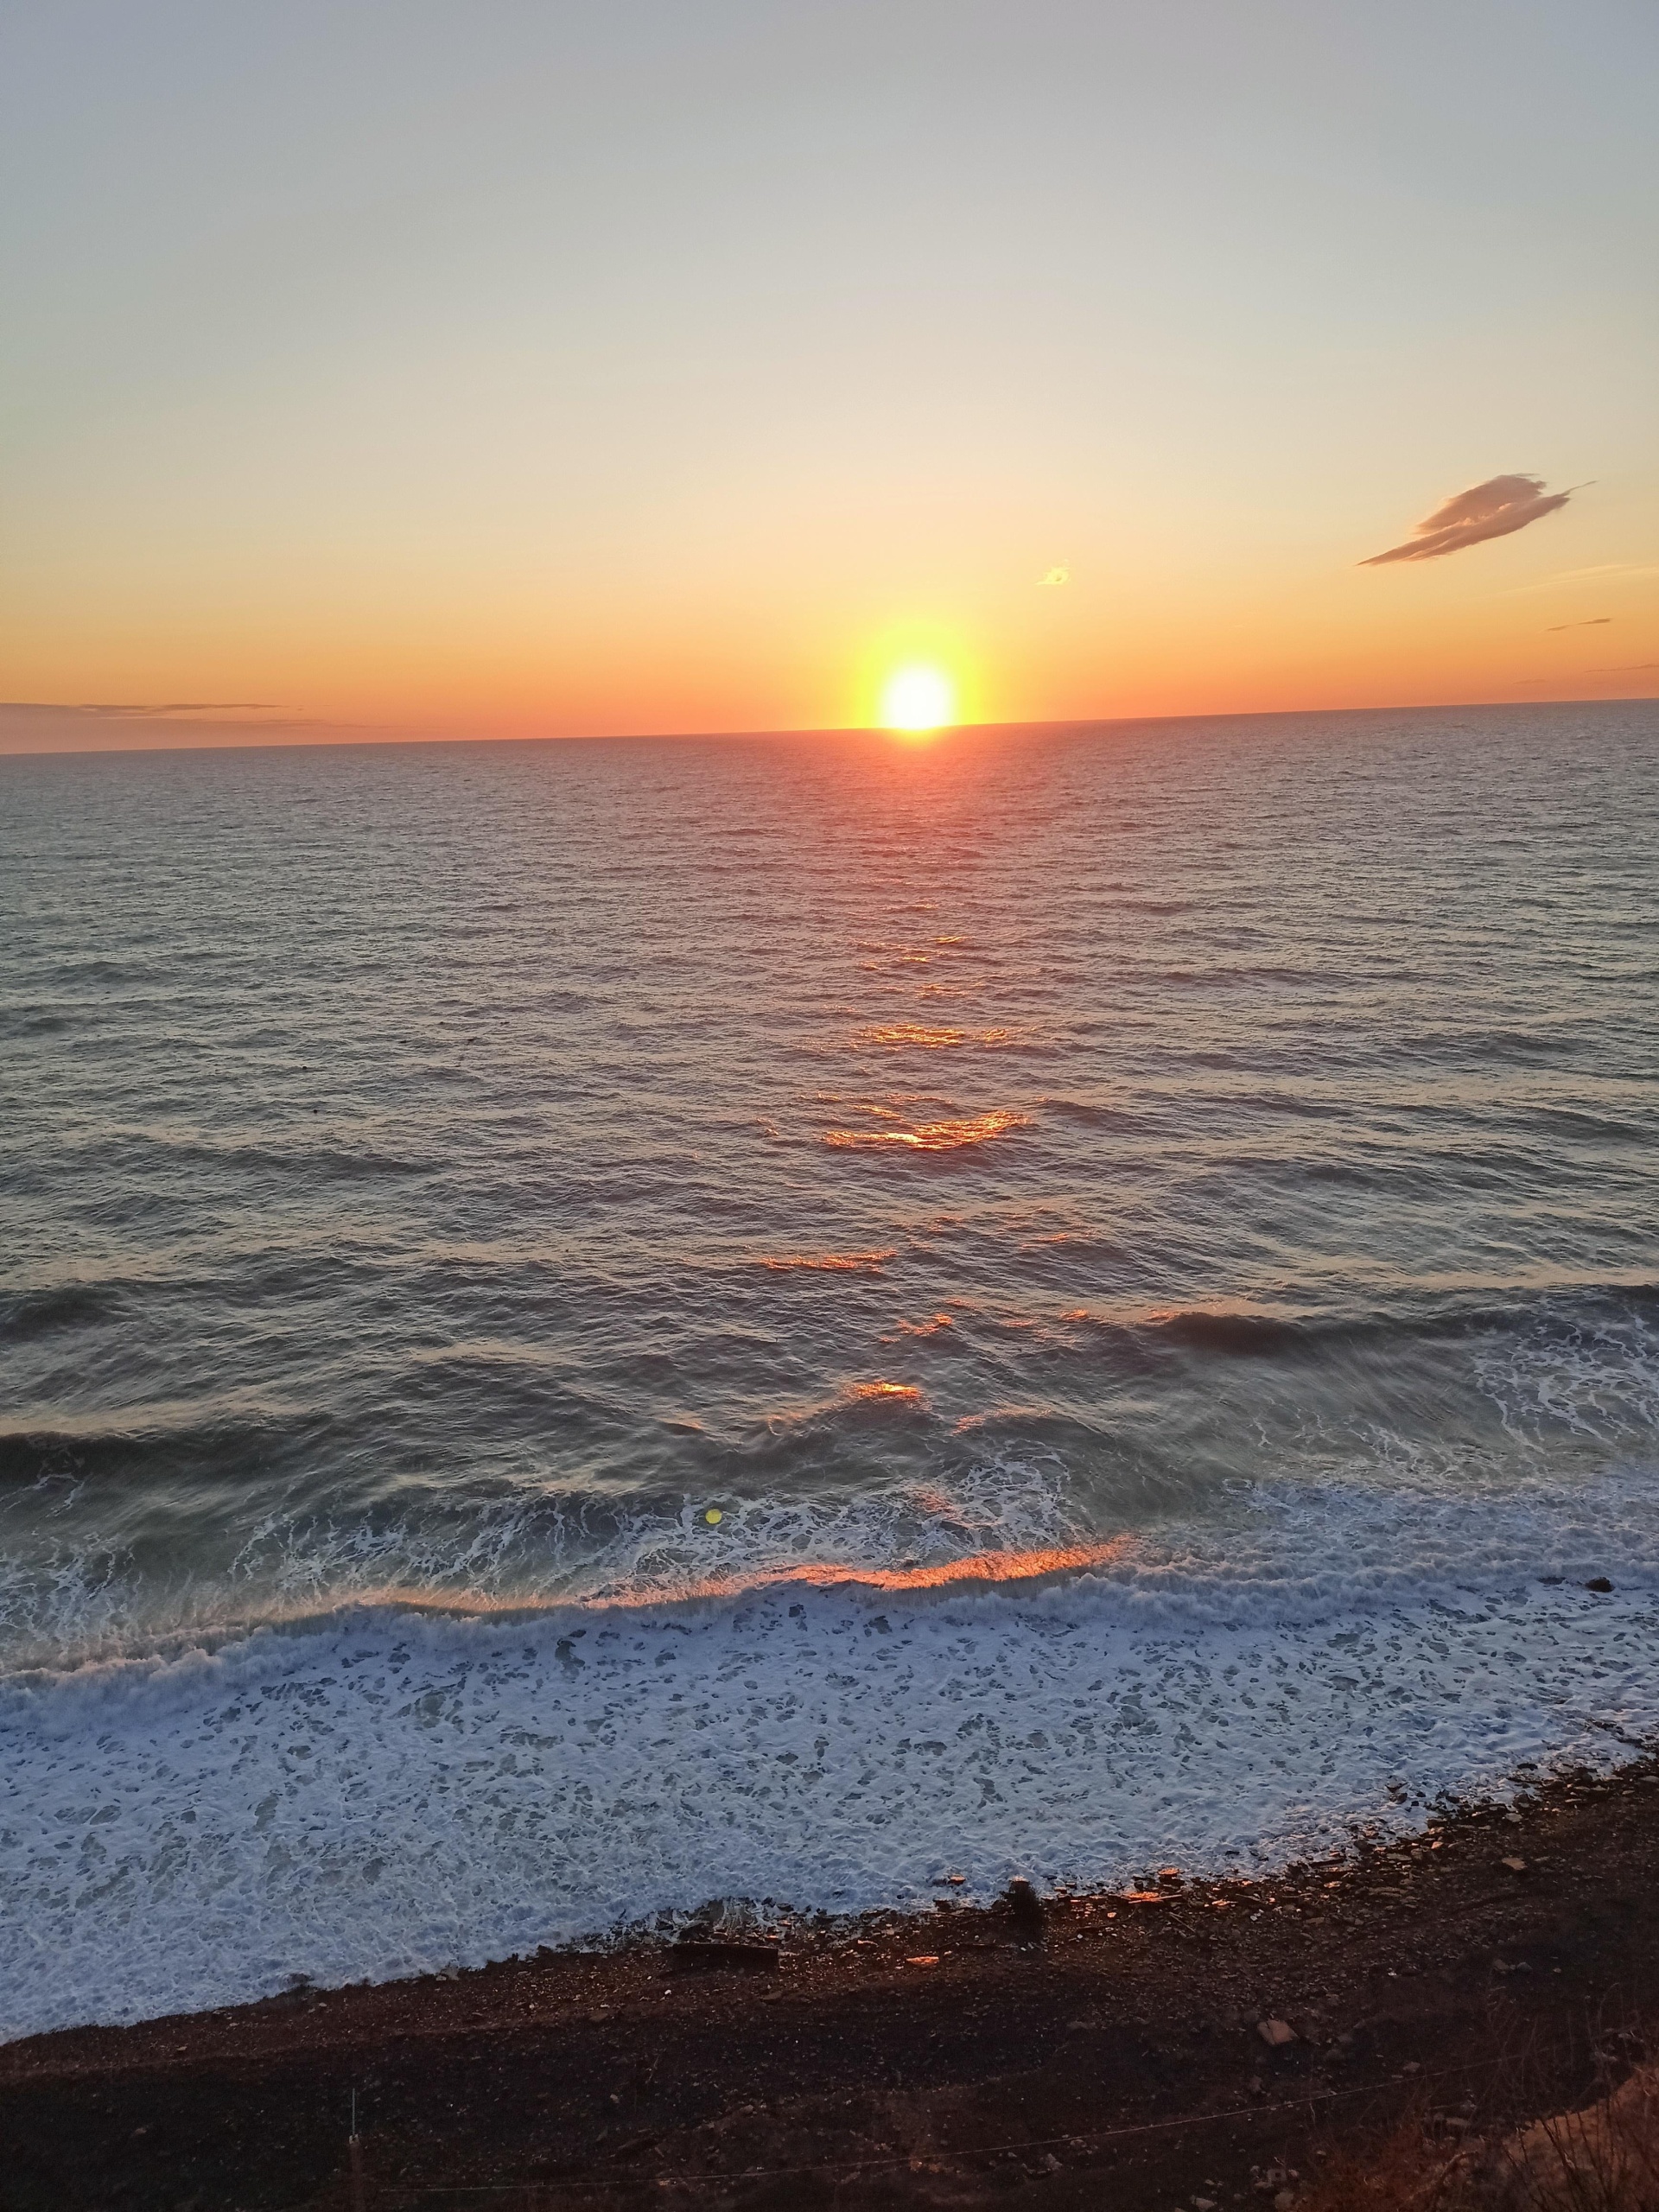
x=388, y=1789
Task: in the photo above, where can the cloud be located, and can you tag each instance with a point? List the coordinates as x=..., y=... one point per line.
x=118, y=726
x=1565, y=675
x=126, y=710
x=1589, y=623
x=1056, y=577
x=1606, y=572
x=1490, y=509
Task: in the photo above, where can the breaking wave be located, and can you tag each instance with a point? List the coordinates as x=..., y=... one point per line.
x=393, y=1787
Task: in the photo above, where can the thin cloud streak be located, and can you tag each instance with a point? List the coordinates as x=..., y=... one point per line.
x=142, y=711
x=39, y=726
x=1604, y=572
x=1493, y=509
x=1583, y=674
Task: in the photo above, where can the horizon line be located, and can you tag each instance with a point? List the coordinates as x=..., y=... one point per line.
x=791, y=731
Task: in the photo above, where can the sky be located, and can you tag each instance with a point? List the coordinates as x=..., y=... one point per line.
x=529, y=368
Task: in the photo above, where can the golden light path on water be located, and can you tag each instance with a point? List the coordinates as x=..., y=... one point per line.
x=974, y=1570
x=926, y=1037
x=979, y=1567
x=969, y=1571
x=930, y=1136
x=830, y=1263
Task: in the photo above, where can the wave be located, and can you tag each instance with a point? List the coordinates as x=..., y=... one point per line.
x=1237, y=1334
x=25, y=1314
x=1531, y=1322
x=183, y=1442
x=137, y=1149
x=298, y=1505
x=77, y=1589
x=97, y=969
x=383, y=1789
x=36, y=1021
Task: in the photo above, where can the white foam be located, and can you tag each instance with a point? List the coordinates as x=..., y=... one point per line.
x=525, y=1546
x=387, y=1791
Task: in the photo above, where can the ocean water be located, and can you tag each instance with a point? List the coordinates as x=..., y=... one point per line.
x=589, y=1328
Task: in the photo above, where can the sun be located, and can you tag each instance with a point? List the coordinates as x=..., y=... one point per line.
x=917, y=698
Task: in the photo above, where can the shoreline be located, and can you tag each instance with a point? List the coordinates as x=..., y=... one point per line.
x=943, y=2058
x=405, y=1796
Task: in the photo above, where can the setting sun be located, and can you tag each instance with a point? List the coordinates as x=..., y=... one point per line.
x=917, y=698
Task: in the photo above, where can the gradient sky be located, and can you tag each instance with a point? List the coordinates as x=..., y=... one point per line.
x=489, y=367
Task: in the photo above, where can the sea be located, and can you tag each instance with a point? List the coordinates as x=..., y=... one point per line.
x=595, y=1334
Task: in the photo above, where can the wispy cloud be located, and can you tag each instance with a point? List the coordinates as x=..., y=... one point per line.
x=1493, y=509
x=1604, y=572
x=146, y=709
x=1591, y=622
x=1583, y=674
x=1055, y=576
x=129, y=724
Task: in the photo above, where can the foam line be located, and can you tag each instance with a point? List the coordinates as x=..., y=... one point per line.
x=388, y=1792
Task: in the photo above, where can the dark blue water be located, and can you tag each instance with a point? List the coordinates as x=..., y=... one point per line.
x=1044, y=1192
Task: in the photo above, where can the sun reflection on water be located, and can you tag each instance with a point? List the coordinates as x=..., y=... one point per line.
x=926, y=1036
x=829, y=1263
x=951, y=1135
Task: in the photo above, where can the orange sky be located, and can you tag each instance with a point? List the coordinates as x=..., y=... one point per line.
x=684, y=372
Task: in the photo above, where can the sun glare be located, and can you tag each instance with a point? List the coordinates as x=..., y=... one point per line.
x=918, y=699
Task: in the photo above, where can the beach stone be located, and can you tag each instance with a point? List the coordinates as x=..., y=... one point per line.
x=1600, y=1585
x=1275, y=2032
x=1025, y=1909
